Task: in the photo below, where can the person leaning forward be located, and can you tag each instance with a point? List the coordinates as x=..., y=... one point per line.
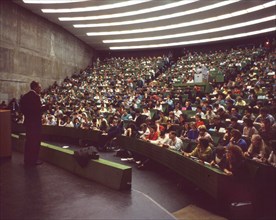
x=31, y=107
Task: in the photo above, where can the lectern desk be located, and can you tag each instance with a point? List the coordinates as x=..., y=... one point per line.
x=5, y=133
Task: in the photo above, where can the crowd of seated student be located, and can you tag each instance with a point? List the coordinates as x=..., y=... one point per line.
x=130, y=90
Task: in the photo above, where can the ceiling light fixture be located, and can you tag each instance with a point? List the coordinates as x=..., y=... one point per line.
x=131, y=13
x=163, y=37
x=95, y=8
x=195, y=41
x=142, y=11
x=185, y=24
x=52, y=1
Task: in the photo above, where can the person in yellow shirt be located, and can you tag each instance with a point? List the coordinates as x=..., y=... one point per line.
x=240, y=101
x=203, y=151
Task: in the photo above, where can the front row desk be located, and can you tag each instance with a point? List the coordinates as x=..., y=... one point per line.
x=108, y=173
x=209, y=179
x=5, y=134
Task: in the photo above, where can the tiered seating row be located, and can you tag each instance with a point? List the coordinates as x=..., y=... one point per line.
x=210, y=179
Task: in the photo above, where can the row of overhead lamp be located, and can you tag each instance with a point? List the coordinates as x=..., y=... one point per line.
x=228, y=37
x=163, y=17
x=83, y=9
x=144, y=20
x=186, y=34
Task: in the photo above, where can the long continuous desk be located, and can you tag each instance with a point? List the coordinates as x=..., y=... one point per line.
x=205, y=86
x=211, y=180
x=67, y=133
x=5, y=133
x=108, y=173
x=261, y=178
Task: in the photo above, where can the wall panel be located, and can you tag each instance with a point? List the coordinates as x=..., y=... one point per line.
x=33, y=48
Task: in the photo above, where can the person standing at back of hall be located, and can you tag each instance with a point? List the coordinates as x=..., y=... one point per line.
x=31, y=107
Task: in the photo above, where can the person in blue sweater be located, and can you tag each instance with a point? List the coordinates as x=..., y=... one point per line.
x=193, y=133
x=236, y=139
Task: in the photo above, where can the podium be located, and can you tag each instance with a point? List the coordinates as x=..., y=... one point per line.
x=201, y=75
x=5, y=133
x=198, y=78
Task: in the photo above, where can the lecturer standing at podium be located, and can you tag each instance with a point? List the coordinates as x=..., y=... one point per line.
x=32, y=109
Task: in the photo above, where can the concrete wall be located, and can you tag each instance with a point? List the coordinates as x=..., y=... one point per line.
x=32, y=48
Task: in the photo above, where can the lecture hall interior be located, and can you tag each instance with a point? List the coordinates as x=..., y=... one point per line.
x=150, y=109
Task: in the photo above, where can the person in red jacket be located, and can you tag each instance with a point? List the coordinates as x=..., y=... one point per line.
x=153, y=135
x=198, y=120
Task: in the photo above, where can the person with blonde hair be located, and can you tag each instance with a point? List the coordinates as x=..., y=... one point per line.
x=257, y=150
x=202, y=133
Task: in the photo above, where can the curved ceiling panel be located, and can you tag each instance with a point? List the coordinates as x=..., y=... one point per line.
x=132, y=24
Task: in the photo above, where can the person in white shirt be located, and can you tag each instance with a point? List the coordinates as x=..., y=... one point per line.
x=200, y=112
x=111, y=109
x=58, y=111
x=144, y=130
x=67, y=122
x=158, y=106
x=190, y=79
x=177, y=112
x=146, y=111
x=174, y=142
x=51, y=120
x=162, y=139
x=102, y=109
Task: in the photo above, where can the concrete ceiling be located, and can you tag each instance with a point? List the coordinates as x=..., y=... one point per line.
x=183, y=34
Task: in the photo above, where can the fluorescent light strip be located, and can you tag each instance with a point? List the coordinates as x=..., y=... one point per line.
x=224, y=28
x=95, y=8
x=130, y=13
x=52, y=1
x=186, y=24
x=143, y=11
x=195, y=41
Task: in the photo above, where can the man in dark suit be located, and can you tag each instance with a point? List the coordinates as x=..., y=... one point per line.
x=32, y=109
